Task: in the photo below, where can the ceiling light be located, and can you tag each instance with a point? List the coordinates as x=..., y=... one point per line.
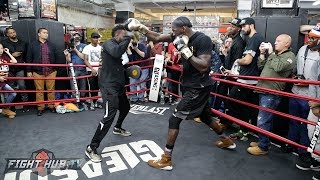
x=316, y=3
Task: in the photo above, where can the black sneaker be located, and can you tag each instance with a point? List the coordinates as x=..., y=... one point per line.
x=25, y=109
x=120, y=131
x=286, y=148
x=141, y=102
x=136, y=102
x=239, y=135
x=92, y=108
x=306, y=162
x=97, y=105
x=316, y=176
x=13, y=109
x=39, y=113
x=175, y=102
x=93, y=155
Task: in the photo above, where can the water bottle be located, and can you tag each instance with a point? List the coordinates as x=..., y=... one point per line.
x=85, y=107
x=162, y=98
x=170, y=98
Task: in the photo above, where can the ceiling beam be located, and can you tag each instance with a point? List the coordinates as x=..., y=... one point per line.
x=179, y=1
x=173, y=5
x=144, y=12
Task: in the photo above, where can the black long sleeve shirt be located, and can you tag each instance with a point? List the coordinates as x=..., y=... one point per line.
x=236, y=51
x=111, y=74
x=34, y=56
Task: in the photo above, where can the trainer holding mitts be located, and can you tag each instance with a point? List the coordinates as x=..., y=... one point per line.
x=112, y=87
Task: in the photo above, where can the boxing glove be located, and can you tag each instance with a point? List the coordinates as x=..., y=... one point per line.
x=133, y=24
x=181, y=43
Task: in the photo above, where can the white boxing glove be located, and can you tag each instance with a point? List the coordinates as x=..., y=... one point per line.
x=133, y=24
x=181, y=43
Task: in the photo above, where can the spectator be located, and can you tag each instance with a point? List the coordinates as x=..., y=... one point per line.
x=173, y=60
x=220, y=42
x=279, y=64
x=314, y=115
x=4, y=70
x=43, y=52
x=225, y=48
x=214, y=68
x=236, y=52
x=248, y=67
x=307, y=57
x=156, y=48
x=92, y=56
x=138, y=51
x=18, y=49
x=74, y=55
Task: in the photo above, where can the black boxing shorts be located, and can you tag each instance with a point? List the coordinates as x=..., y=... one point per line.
x=193, y=103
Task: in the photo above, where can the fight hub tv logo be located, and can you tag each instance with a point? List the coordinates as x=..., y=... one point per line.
x=41, y=162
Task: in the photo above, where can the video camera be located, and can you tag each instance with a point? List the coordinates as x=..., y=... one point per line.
x=134, y=44
x=72, y=43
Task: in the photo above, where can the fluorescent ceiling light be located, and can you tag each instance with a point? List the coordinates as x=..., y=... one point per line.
x=316, y=3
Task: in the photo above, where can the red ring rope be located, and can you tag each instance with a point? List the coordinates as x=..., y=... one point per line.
x=262, y=131
x=289, y=80
x=45, y=78
x=268, y=90
x=267, y=109
x=46, y=91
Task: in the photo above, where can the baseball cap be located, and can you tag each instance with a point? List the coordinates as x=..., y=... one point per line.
x=247, y=20
x=315, y=32
x=76, y=33
x=95, y=35
x=236, y=22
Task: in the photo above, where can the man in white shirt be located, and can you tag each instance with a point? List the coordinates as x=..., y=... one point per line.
x=92, y=56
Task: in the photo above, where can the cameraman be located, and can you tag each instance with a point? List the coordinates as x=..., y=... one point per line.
x=74, y=55
x=137, y=51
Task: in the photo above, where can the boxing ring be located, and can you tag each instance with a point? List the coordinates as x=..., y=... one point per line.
x=195, y=155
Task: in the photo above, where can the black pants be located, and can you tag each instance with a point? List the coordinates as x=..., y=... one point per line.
x=113, y=100
x=222, y=89
x=240, y=111
x=93, y=85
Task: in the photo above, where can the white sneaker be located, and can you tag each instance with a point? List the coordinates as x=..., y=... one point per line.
x=122, y=132
x=93, y=155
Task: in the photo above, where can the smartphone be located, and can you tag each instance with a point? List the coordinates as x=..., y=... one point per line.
x=134, y=44
x=222, y=69
x=265, y=45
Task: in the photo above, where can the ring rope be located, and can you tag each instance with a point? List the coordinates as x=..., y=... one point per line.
x=288, y=80
x=267, y=109
x=262, y=131
x=268, y=90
